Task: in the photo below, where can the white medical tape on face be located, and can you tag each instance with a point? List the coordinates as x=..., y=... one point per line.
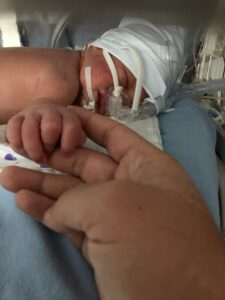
x=117, y=88
x=88, y=84
x=139, y=68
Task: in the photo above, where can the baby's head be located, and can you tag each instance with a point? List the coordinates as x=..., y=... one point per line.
x=102, y=79
x=138, y=59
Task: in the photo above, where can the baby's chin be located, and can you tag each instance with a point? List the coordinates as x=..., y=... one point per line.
x=99, y=106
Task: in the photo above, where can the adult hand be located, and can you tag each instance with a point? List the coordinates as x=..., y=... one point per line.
x=136, y=215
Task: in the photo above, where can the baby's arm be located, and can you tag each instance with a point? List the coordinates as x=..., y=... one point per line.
x=59, y=79
x=31, y=76
x=36, y=131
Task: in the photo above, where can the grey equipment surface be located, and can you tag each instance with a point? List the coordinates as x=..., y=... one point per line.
x=172, y=11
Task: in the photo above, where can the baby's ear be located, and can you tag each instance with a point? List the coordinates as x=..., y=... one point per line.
x=89, y=54
x=93, y=51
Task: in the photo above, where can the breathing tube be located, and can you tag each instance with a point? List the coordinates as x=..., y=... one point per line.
x=200, y=88
x=114, y=103
x=155, y=106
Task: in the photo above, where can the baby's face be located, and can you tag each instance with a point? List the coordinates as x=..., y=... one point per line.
x=102, y=79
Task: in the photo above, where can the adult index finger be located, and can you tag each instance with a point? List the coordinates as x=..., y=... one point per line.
x=117, y=138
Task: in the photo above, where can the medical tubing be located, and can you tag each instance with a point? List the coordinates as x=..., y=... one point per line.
x=197, y=88
x=139, y=75
x=187, y=90
x=154, y=107
x=117, y=88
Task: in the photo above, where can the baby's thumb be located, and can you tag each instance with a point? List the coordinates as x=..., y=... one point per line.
x=74, y=213
x=83, y=210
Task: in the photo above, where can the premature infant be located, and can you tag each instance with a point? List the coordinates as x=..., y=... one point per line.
x=31, y=76
x=59, y=76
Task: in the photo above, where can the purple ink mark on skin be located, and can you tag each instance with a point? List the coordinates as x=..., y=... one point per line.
x=9, y=156
x=44, y=166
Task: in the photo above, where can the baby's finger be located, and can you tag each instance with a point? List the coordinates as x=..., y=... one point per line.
x=72, y=134
x=13, y=133
x=15, y=179
x=51, y=128
x=31, y=138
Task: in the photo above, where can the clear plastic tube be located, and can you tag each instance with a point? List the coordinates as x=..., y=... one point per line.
x=185, y=90
x=198, y=88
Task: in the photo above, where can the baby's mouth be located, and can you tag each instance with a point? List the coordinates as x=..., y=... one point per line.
x=102, y=101
x=99, y=105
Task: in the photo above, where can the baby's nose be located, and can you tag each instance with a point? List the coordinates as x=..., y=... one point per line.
x=103, y=93
x=101, y=79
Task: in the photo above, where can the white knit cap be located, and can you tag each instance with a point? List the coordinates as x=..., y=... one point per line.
x=161, y=48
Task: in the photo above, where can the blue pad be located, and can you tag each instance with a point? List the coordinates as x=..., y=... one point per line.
x=189, y=135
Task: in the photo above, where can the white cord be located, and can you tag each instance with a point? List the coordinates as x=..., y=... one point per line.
x=88, y=84
x=194, y=48
x=204, y=56
x=139, y=68
x=117, y=87
x=210, y=60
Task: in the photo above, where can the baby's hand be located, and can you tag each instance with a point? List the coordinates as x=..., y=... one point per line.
x=37, y=130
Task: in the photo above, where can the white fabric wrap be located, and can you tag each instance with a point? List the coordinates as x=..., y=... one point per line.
x=161, y=48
